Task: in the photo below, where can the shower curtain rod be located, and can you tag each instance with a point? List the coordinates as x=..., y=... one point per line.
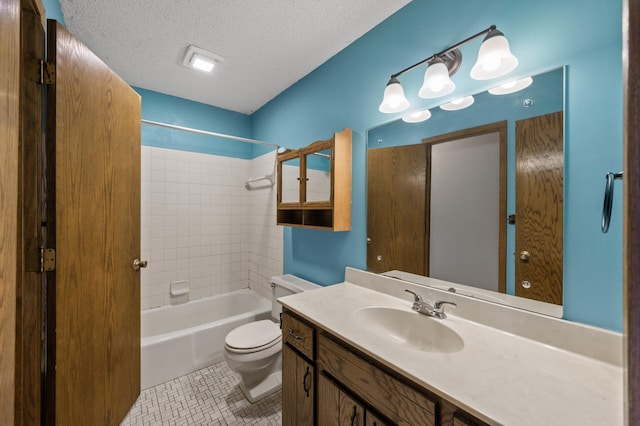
x=204, y=132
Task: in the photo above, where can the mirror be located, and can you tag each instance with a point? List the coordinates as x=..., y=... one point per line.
x=319, y=176
x=442, y=190
x=291, y=180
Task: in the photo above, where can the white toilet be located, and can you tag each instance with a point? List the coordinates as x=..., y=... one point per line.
x=254, y=350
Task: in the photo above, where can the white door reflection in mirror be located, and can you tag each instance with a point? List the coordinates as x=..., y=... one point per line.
x=465, y=207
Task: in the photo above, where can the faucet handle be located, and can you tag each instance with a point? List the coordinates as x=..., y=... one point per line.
x=416, y=297
x=440, y=310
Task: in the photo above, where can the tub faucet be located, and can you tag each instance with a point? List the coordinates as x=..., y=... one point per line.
x=422, y=307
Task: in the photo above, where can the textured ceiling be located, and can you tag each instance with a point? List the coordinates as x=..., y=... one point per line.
x=267, y=45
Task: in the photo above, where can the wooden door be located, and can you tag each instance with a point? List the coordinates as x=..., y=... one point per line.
x=9, y=172
x=539, y=203
x=94, y=127
x=397, y=209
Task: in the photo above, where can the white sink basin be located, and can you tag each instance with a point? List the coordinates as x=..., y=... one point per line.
x=410, y=329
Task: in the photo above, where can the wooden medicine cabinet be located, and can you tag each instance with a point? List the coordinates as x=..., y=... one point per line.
x=314, y=185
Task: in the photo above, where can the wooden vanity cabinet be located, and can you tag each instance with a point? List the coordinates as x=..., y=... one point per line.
x=314, y=185
x=348, y=388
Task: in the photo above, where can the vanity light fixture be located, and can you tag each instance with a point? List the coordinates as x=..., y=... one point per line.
x=394, y=99
x=436, y=81
x=417, y=116
x=200, y=59
x=456, y=104
x=511, y=86
x=494, y=60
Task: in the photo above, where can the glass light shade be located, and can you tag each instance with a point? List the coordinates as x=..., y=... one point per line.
x=394, y=99
x=494, y=58
x=457, y=104
x=436, y=81
x=512, y=86
x=202, y=63
x=417, y=116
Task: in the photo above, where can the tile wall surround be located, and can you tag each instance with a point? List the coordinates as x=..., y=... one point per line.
x=200, y=223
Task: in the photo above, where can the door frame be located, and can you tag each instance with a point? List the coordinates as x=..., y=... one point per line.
x=499, y=127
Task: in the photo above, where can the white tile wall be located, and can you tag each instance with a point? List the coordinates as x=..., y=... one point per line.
x=200, y=223
x=265, y=238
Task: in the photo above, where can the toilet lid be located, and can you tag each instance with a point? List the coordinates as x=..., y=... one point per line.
x=253, y=335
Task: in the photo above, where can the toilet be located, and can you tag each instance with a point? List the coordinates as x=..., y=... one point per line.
x=254, y=350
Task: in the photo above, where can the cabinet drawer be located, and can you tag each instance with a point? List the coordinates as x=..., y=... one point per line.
x=399, y=402
x=298, y=334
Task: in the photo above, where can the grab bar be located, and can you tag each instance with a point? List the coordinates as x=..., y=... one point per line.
x=608, y=200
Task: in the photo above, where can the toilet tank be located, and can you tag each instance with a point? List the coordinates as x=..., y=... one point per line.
x=285, y=285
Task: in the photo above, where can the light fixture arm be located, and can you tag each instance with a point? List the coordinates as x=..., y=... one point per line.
x=443, y=52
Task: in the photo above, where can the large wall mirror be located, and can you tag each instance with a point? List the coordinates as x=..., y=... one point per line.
x=474, y=196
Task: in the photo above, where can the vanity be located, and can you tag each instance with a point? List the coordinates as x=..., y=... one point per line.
x=356, y=354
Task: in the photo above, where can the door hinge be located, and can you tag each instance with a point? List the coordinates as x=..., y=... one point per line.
x=47, y=72
x=47, y=259
x=40, y=71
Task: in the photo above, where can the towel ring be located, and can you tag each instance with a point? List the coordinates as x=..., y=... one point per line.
x=608, y=200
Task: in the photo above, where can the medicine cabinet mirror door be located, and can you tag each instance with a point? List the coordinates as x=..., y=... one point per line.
x=290, y=181
x=318, y=176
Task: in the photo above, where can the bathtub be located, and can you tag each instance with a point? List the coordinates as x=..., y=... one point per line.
x=180, y=339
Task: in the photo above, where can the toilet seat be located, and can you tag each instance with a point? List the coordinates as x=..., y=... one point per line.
x=253, y=337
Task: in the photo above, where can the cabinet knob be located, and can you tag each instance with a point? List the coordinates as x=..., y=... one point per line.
x=524, y=255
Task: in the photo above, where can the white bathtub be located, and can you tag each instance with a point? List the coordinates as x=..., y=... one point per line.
x=179, y=339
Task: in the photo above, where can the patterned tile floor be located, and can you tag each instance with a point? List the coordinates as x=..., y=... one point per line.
x=210, y=396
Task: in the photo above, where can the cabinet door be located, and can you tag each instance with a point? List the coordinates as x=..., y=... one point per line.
x=337, y=408
x=93, y=136
x=297, y=389
x=373, y=420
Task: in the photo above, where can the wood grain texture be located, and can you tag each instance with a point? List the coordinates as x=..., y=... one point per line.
x=397, y=209
x=29, y=295
x=631, y=67
x=499, y=127
x=341, y=178
x=351, y=411
x=395, y=400
x=373, y=420
x=539, y=207
x=298, y=389
x=9, y=174
x=328, y=402
x=298, y=334
x=97, y=306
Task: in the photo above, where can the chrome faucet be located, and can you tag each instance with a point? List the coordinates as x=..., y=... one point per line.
x=422, y=307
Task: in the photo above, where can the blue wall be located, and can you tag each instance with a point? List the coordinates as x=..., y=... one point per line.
x=347, y=89
x=181, y=112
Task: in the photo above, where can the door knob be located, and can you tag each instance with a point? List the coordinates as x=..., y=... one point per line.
x=137, y=264
x=524, y=255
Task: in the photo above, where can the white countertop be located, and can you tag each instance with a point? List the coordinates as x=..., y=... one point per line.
x=499, y=377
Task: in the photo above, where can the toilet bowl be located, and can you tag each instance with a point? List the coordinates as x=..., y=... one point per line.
x=254, y=350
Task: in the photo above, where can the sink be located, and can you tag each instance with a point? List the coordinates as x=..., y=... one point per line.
x=410, y=329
